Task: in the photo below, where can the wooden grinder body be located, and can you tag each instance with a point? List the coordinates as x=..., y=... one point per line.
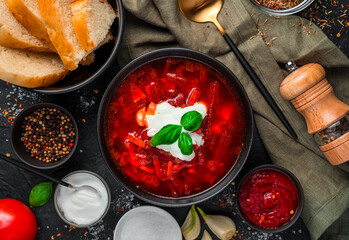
x=313, y=97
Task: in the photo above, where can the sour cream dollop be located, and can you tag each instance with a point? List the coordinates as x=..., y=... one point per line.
x=166, y=114
x=82, y=207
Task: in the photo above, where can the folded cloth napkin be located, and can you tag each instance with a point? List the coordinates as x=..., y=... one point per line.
x=267, y=43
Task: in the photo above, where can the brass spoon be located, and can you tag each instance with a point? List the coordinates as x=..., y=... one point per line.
x=203, y=11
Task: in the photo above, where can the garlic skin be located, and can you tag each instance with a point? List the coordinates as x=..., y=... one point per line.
x=222, y=226
x=191, y=227
x=206, y=236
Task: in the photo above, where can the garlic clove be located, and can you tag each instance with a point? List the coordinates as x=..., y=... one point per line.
x=191, y=226
x=206, y=236
x=222, y=226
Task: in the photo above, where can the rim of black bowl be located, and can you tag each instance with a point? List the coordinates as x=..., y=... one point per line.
x=18, y=146
x=298, y=211
x=105, y=66
x=208, y=61
x=282, y=12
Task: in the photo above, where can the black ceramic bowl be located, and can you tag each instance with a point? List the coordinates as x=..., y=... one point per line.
x=299, y=188
x=104, y=57
x=19, y=148
x=195, y=56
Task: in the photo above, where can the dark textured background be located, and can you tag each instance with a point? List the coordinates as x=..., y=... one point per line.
x=83, y=104
x=15, y=183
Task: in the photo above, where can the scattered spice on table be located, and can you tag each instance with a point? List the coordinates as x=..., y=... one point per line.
x=48, y=134
x=279, y=4
x=332, y=17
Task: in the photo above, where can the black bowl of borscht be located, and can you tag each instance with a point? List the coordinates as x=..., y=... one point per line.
x=270, y=198
x=175, y=127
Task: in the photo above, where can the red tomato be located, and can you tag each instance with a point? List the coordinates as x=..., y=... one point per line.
x=17, y=221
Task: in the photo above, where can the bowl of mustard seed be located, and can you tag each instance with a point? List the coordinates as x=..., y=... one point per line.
x=44, y=136
x=281, y=7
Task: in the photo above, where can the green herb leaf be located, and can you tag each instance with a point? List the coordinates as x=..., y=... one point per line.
x=185, y=143
x=40, y=194
x=167, y=135
x=191, y=121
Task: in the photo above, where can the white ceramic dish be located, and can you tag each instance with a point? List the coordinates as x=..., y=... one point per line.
x=95, y=177
x=147, y=223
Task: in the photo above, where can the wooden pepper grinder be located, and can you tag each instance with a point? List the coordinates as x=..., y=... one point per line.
x=326, y=116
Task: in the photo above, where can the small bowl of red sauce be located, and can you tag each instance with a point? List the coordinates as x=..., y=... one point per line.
x=270, y=198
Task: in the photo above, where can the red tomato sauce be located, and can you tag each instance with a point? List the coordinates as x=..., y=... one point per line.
x=180, y=82
x=268, y=198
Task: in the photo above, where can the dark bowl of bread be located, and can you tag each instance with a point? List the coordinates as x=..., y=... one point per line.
x=58, y=46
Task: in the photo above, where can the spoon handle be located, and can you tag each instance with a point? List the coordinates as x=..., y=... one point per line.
x=252, y=74
x=32, y=170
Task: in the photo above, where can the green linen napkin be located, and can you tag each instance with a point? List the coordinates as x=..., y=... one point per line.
x=154, y=24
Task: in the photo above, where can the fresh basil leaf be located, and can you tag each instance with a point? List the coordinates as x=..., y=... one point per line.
x=40, y=194
x=167, y=135
x=191, y=121
x=185, y=143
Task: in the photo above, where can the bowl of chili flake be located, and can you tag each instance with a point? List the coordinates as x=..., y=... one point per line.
x=175, y=127
x=281, y=7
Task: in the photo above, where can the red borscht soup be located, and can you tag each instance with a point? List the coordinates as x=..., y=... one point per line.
x=175, y=127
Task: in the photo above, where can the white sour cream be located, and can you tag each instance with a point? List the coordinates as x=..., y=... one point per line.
x=167, y=114
x=82, y=207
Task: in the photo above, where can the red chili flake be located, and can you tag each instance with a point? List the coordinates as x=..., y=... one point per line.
x=84, y=230
x=262, y=219
x=120, y=209
x=71, y=145
x=208, y=26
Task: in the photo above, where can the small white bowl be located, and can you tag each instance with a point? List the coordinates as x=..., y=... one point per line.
x=59, y=187
x=147, y=222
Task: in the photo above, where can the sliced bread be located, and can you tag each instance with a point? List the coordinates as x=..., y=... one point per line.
x=27, y=13
x=14, y=35
x=30, y=69
x=92, y=20
x=58, y=19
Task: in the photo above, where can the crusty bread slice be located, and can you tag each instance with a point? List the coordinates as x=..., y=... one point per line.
x=14, y=35
x=30, y=69
x=92, y=20
x=27, y=13
x=58, y=19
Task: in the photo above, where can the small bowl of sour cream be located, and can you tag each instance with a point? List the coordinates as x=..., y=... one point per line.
x=82, y=208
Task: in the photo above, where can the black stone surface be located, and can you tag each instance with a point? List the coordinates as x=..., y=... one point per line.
x=83, y=104
x=332, y=16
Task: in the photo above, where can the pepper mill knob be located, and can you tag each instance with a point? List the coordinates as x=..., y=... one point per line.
x=325, y=115
x=301, y=79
